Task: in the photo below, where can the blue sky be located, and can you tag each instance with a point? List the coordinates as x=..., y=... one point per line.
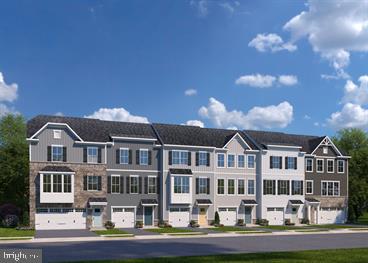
x=250, y=64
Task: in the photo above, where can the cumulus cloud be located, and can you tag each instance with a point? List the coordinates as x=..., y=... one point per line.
x=334, y=29
x=357, y=94
x=273, y=116
x=201, y=6
x=270, y=43
x=116, y=114
x=190, y=92
x=7, y=92
x=195, y=123
x=351, y=116
x=5, y=110
x=266, y=81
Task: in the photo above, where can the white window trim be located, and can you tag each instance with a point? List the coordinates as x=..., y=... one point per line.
x=207, y=186
x=333, y=192
x=115, y=175
x=306, y=183
x=151, y=176
x=245, y=187
x=52, y=150
x=343, y=165
x=221, y=167
x=130, y=184
x=323, y=166
x=140, y=151
x=57, y=132
x=172, y=157
x=235, y=186
x=88, y=184
x=254, y=161
x=235, y=163
x=254, y=187
x=199, y=153
x=90, y=147
x=245, y=161
x=221, y=178
x=333, y=165
x=120, y=149
x=306, y=161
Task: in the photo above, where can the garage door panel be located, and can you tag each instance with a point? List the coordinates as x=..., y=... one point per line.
x=275, y=216
x=123, y=217
x=62, y=220
x=227, y=216
x=179, y=217
x=331, y=216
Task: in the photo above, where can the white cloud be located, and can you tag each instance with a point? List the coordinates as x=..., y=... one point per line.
x=228, y=7
x=351, y=116
x=334, y=29
x=307, y=117
x=190, y=92
x=273, y=116
x=195, y=123
x=288, y=80
x=59, y=113
x=356, y=94
x=7, y=92
x=201, y=6
x=266, y=81
x=116, y=114
x=5, y=110
x=270, y=42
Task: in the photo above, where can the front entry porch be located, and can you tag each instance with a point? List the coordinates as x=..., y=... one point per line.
x=203, y=205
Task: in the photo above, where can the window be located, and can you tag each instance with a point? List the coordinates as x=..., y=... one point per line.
x=275, y=162
x=134, y=184
x=309, y=187
x=220, y=160
x=143, y=157
x=297, y=187
x=283, y=187
x=241, y=161
x=231, y=160
x=291, y=163
x=92, y=183
x=340, y=166
x=269, y=187
x=57, y=183
x=251, y=187
x=251, y=161
x=330, y=188
x=57, y=134
x=220, y=186
x=124, y=156
x=241, y=187
x=67, y=183
x=181, y=185
x=203, y=187
x=325, y=150
x=330, y=165
x=180, y=157
x=92, y=154
x=230, y=186
x=115, y=184
x=57, y=153
x=47, y=183
x=152, y=184
x=320, y=166
x=202, y=158
x=309, y=165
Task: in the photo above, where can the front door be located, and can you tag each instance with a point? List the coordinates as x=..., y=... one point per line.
x=248, y=215
x=202, y=221
x=294, y=215
x=148, y=218
x=97, y=217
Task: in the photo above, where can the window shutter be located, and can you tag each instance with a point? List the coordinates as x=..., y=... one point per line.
x=99, y=185
x=49, y=153
x=280, y=162
x=273, y=187
x=189, y=158
x=286, y=162
x=197, y=185
x=64, y=154
x=137, y=156
x=208, y=159
x=197, y=158
x=121, y=184
x=149, y=157
x=271, y=164
x=302, y=187
x=264, y=187
x=85, y=183
x=296, y=163
x=117, y=156
x=208, y=186
x=109, y=184
x=130, y=156
x=99, y=157
x=288, y=188
x=146, y=185
x=128, y=184
x=170, y=157
x=85, y=154
x=140, y=184
x=158, y=185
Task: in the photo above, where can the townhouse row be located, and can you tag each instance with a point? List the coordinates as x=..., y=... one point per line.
x=84, y=172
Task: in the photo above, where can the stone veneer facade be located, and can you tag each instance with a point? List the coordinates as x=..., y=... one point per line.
x=80, y=196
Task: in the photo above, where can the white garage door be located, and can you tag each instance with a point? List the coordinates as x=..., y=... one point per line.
x=331, y=216
x=123, y=217
x=227, y=216
x=59, y=218
x=179, y=217
x=275, y=216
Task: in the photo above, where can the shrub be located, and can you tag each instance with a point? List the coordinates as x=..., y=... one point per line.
x=193, y=223
x=240, y=222
x=139, y=224
x=217, y=219
x=288, y=222
x=305, y=221
x=8, y=209
x=10, y=221
x=109, y=225
x=161, y=223
x=262, y=222
x=167, y=225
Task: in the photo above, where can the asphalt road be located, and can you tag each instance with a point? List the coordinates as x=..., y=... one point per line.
x=72, y=251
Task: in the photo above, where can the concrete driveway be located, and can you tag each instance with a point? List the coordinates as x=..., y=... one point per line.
x=64, y=233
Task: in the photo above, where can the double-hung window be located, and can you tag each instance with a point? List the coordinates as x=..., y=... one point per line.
x=143, y=156
x=269, y=187
x=124, y=156
x=92, y=183
x=275, y=162
x=241, y=186
x=57, y=153
x=251, y=187
x=340, y=166
x=309, y=187
x=203, y=187
x=57, y=183
x=320, y=163
x=291, y=163
x=134, y=184
x=231, y=160
x=67, y=183
x=152, y=184
x=180, y=157
x=181, y=185
x=220, y=160
x=202, y=158
x=330, y=165
x=330, y=188
x=220, y=186
x=115, y=184
x=47, y=183
x=309, y=164
x=251, y=161
x=92, y=153
x=283, y=187
x=231, y=186
x=241, y=161
x=296, y=187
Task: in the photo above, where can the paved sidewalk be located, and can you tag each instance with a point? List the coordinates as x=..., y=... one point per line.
x=139, y=232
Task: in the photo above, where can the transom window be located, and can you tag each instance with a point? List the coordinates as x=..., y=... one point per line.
x=309, y=187
x=276, y=162
x=241, y=187
x=152, y=184
x=297, y=187
x=134, y=184
x=220, y=186
x=320, y=165
x=269, y=187
x=241, y=161
x=283, y=187
x=330, y=165
x=115, y=184
x=92, y=153
x=251, y=161
x=181, y=185
x=92, y=183
x=203, y=187
x=251, y=187
x=220, y=160
x=143, y=157
x=330, y=188
x=180, y=157
x=231, y=160
x=202, y=158
x=230, y=186
x=124, y=156
x=340, y=166
x=309, y=165
x=57, y=153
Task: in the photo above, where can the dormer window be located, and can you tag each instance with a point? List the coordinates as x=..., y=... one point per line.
x=57, y=134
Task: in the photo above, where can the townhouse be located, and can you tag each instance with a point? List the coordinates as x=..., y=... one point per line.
x=84, y=172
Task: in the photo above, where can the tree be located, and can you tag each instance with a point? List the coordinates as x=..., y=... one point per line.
x=14, y=164
x=354, y=142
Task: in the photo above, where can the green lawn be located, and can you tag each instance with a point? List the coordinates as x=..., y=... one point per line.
x=327, y=256
x=332, y=226
x=284, y=227
x=168, y=230
x=12, y=232
x=111, y=232
x=363, y=220
x=230, y=229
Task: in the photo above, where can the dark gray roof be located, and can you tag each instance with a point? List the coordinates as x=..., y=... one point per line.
x=180, y=171
x=249, y=202
x=296, y=202
x=97, y=199
x=92, y=129
x=149, y=202
x=203, y=201
x=312, y=200
x=192, y=135
x=52, y=168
